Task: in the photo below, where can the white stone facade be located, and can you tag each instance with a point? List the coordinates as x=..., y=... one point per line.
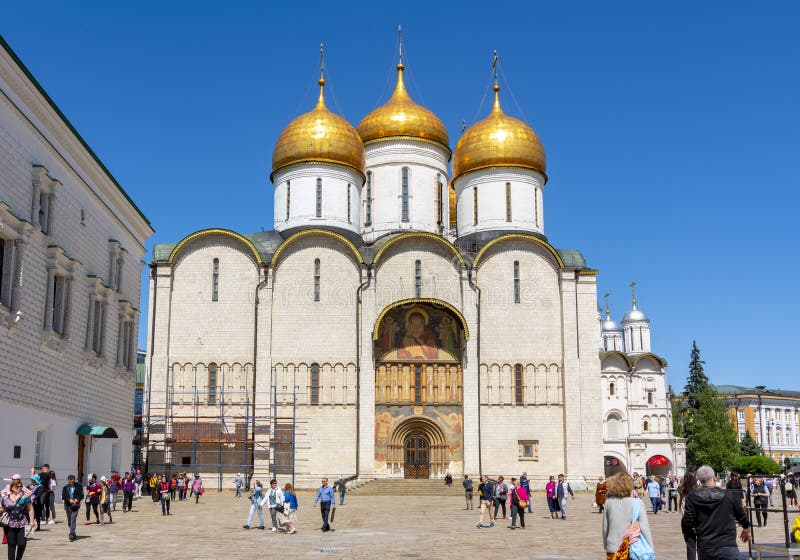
x=72, y=244
x=637, y=412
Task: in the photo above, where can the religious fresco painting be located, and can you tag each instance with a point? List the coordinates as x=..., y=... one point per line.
x=418, y=333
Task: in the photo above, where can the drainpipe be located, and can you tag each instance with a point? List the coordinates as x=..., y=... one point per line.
x=252, y=461
x=478, y=352
x=358, y=368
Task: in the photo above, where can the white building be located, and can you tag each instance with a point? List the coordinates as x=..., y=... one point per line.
x=637, y=413
x=71, y=245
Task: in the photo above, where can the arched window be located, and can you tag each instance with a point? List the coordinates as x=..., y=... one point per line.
x=646, y=426
x=536, y=206
x=314, y=384
x=288, y=198
x=212, y=383
x=368, y=213
x=649, y=397
x=613, y=426
x=404, y=194
x=348, y=204
x=475, y=206
x=612, y=389
x=316, y=279
x=516, y=282
x=215, y=280
x=508, y=202
x=439, y=201
x=418, y=279
x=519, y=384
x=319, y=197
x=417, y=384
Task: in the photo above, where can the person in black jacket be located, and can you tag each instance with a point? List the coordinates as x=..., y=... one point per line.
x=710, y=516
x=72, y=496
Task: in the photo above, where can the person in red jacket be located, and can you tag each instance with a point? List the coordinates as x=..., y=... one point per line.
x=93, y=490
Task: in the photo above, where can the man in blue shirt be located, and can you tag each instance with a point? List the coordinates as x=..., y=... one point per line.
x=325, y=498
x=654, y=491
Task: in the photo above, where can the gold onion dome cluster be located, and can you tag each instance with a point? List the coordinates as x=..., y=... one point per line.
x=400, y=117
x=498, y=141
x=319, y=136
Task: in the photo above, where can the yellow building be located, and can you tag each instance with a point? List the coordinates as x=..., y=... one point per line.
x=772, y=416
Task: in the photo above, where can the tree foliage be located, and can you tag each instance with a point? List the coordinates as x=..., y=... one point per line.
x=711, y=437
x=678, y=412
x=697, y=380
x=756, y=464
x=749, y=447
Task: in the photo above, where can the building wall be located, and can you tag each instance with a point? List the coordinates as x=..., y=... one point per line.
x=88, y=211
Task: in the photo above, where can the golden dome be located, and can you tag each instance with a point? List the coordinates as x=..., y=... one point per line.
x=321, y=136
x=400, y=116
x=498, y=141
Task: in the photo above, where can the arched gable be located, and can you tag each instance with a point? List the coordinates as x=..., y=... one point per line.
x=648, y=356
x=612, y=356
x=519, y=236
x=351, y=248
x=418, y=235
x=215, y=231
x=430, y=301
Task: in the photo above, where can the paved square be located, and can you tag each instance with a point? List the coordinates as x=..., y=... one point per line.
x=365, y=527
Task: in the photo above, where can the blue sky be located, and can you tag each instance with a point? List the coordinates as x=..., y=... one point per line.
x=670, y=131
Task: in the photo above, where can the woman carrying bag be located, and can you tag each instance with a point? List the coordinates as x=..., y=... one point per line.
x=17, y=518
x=255, y=505
x=626, y=531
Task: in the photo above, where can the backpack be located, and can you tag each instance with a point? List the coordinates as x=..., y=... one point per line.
x=641, y=549
x=468, y=485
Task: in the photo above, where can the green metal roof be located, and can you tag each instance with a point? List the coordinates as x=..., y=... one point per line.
x=732, y=390
x=96, y=431
x=63, y=117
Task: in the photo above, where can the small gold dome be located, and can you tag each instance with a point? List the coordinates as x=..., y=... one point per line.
x=498, y=141
x=321, y=136
x=400, y=116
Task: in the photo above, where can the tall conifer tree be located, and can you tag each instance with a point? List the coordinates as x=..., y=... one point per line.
x=697, y=380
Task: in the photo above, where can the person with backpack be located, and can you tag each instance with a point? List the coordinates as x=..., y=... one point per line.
x=500, y=496
x=621, y=521
x=256, y=499
x=467, y=483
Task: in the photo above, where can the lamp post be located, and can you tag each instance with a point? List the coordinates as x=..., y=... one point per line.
x=770, y=428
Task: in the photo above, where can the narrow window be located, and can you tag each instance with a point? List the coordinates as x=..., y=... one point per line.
x=348, y=203
x=519, y=384
x=314, y=384
x=316, y=279
x=59, y=303
x=536, y=206
x=508, y=202
x=649, y=397
x=404, y=195
x=44, y=212
x=98, y=325
x=212, y=383
x=417, y=384
x=418, y=278
x=3, y=273
x=319, y=197
x=439, y=205
x=288, y=199
x=120, y=263
x=475, y=206
x=516, y=282
x=215, y=281
x=368, y=218
x=39, y=452
x=612, y=389
x=646, y=426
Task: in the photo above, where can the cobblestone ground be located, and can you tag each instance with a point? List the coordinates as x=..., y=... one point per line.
x=365, y=527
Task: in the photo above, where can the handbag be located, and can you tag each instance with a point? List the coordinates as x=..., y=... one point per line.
x=279, y=508
x=639, y=549
x=4, y=519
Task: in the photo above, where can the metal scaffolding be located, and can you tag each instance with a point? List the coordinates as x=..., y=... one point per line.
x=219, y=431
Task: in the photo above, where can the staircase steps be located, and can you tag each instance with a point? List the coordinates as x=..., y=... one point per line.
x=408, y=487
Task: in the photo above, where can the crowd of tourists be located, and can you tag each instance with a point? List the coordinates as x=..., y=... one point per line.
x=24, y=508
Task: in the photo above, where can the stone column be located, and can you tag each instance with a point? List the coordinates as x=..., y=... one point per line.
x=571, y=394
x=366, y=386
x=263, y=378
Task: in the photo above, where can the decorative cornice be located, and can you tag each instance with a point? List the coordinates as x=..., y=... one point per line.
x=419, y=234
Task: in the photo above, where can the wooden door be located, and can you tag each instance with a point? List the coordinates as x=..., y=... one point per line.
x=417, y=457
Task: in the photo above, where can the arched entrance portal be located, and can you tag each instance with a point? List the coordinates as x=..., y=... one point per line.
x=417, y=456
x=418, y=349
x=658, y=465
x=613, y=466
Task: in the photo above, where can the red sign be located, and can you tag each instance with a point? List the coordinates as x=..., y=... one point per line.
x=658, y=461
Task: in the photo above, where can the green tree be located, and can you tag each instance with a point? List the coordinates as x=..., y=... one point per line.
x=749, y=447
x=711, y=439
x=756, y=465
x=697, y=380
x=678, y=412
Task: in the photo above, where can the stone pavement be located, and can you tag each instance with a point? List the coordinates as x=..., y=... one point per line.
x=365, y=527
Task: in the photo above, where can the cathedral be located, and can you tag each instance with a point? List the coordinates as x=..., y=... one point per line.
x=406, y=317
